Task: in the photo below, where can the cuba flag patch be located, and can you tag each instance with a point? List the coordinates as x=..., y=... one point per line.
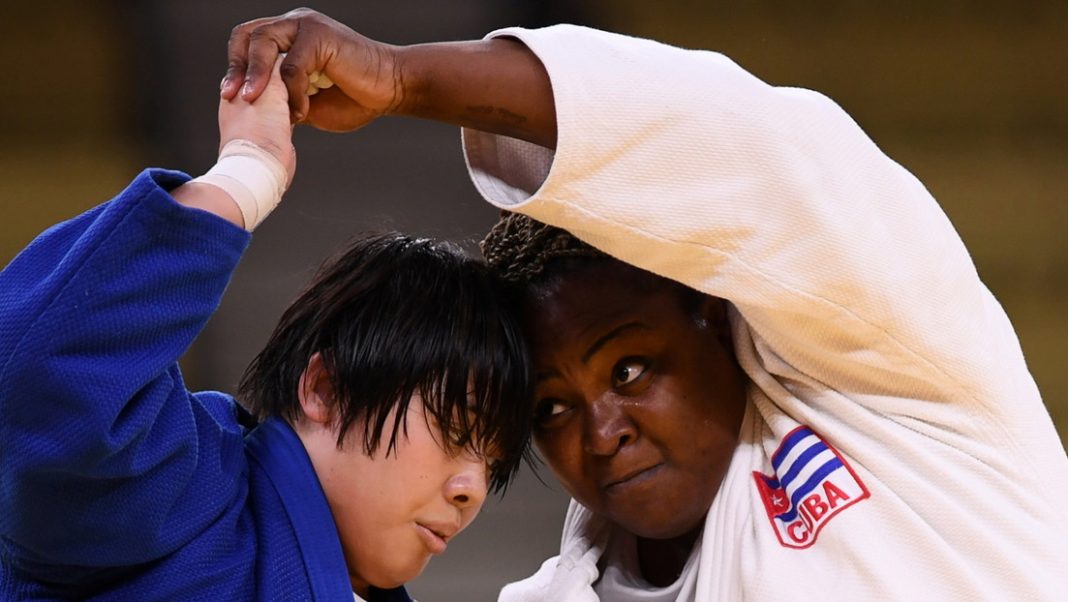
x=810, y=485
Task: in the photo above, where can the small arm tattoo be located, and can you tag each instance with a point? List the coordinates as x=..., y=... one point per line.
x=504, y=114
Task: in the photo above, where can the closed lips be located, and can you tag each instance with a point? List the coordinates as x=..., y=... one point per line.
x=630, y=475
x=444, y=531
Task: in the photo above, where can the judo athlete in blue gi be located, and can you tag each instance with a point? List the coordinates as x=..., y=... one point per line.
x=386, y=404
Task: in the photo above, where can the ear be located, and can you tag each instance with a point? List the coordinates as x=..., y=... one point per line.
x=315, y=391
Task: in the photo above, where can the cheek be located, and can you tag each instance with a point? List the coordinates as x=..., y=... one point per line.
x=553, y=447
x=696, y=428
x=562, y=450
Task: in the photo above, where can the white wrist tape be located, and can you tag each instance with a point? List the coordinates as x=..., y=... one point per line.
x=253, y=178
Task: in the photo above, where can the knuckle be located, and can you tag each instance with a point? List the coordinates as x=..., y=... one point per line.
x=307, y=16
x=290, y=70
x=258, y=34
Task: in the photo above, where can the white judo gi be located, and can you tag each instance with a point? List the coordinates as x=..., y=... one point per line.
x=895, y=446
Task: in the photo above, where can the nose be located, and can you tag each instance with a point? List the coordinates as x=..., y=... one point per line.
x=468, y=486
x=607, y=427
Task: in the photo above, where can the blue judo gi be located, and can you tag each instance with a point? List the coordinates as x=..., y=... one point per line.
x=117, y=483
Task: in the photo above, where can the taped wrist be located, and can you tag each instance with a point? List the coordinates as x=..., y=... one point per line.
x=253, y=178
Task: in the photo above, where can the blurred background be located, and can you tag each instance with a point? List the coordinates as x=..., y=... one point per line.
x=970, y=96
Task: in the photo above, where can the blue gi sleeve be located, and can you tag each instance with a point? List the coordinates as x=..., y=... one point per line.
x=106, y=460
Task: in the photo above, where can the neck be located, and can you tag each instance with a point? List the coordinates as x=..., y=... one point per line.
x=662, y=560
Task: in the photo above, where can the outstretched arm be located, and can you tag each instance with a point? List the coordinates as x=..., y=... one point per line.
x=107, y=462
x=494, y=85
x=264, y=124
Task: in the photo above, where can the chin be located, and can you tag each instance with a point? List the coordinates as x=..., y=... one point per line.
x=396, y=576
x=663, y=532
x=664, y=526
x=393, y=580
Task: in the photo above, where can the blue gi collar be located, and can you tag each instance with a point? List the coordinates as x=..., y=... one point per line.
x=277, y=449
x=279, y=452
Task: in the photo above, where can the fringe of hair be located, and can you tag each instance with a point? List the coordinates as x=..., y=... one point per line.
x=518, y=247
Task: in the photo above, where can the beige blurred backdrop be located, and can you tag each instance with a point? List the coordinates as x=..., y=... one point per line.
x=970, y=96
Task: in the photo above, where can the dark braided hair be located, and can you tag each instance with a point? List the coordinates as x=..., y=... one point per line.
x=528, y=254
x=519, y=247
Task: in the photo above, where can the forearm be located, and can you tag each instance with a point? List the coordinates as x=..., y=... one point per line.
x=243, y=187
x=683, y=164
x=198, y=195
x=134, y=278
x=495, y=85
x=94, y=315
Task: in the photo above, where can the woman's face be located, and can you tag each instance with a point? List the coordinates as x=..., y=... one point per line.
x=638, y=400
x=395, y=510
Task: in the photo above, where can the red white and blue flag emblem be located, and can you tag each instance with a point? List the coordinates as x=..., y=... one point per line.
x=810, y=485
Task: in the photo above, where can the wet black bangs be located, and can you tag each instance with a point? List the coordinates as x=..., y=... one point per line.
x=454, y=345
x=393, y=317
x=482, y=402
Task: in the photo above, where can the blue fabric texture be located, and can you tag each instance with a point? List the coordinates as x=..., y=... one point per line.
x=116, y=482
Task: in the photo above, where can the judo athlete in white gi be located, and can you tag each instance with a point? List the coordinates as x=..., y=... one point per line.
x=833, y=406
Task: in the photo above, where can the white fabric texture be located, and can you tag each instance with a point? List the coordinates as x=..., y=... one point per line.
x=856, y=311
x=621, y=578
x=251, y=176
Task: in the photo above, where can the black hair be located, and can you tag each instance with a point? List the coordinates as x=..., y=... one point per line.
x=392, y=316
x=520, y=248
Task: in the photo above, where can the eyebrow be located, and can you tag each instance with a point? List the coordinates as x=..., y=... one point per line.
x=595, y=347
x=608, y=336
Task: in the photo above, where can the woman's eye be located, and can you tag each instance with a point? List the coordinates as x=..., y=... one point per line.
x=548, y=409
x=628, y=371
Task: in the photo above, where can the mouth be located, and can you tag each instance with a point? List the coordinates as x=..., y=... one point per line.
x=633, y=477
x=436, y=536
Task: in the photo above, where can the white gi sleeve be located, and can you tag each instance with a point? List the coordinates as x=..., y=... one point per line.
x=840, y=262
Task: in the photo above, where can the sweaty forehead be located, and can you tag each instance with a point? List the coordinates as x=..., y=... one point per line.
x=579, y=306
